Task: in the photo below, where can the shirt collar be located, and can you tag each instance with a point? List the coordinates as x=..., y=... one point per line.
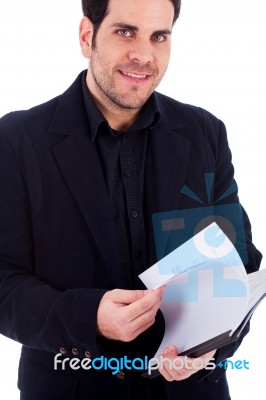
x=149, y=116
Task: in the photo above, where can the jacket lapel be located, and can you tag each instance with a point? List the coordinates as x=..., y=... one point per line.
x=170, y=151
x=79, y=163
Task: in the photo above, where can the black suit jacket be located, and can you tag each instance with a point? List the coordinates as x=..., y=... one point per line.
x=58, y=248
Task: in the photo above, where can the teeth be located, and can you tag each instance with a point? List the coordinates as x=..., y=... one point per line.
x=134, y=75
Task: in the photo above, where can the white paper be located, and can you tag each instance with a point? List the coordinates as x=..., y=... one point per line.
x=202, y=300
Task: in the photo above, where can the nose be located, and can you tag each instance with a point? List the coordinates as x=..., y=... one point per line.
x=141, y=52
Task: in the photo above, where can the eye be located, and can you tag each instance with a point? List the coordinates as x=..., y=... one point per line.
x=124, y=33
x=159, y=37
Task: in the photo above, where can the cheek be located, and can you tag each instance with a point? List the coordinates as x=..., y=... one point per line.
x=162, y=67
x=163, y=58
x=110, y=52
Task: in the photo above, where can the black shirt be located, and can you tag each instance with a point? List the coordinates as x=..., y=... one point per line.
x=126, y=160
x=126, y=164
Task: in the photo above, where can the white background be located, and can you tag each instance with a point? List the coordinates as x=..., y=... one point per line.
x=217, y=62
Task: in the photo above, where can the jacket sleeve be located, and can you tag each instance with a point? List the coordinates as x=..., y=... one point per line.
x=31, y=311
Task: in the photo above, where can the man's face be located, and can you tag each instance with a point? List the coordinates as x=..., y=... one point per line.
x=131, y=52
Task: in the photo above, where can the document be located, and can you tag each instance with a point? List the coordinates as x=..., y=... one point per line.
x=209, y=297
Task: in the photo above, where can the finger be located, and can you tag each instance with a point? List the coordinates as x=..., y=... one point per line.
x=144, y=304
x=175, y=366
x=146, y=317
x=127, y=297
x=134, y=329
x=166, y=374
x=141, y=329
x=162, y=366
x=171, y=350
x=176, y=371
x=209, y=355
x=144, y=321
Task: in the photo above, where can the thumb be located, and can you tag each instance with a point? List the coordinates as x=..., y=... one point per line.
x=170, y=351
x=128, y=296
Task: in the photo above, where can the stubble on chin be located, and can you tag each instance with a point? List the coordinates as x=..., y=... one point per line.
x=106, y=87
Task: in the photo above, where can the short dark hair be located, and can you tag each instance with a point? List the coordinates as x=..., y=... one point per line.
x=96, y=11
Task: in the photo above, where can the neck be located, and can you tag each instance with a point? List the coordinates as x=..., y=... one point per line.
x=118, y=118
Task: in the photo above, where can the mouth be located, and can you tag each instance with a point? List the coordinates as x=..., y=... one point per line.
x=135, y=77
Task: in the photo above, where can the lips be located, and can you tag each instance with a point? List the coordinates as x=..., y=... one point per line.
x=134, y=75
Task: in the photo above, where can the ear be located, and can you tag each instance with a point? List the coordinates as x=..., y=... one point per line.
x=85, y=36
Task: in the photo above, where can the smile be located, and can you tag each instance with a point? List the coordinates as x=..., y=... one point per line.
x=134, y=76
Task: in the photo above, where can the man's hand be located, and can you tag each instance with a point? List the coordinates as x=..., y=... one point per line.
x=125, y=314
x=188, y=369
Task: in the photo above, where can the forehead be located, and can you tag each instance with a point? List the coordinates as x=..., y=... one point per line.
x=148, y=14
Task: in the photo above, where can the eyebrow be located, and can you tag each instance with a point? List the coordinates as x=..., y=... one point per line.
x=136, y=29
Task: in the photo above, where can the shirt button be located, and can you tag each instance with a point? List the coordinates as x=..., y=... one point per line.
x=134, y=214
x=75, y=351
x=63, y=351
x=127, y=173
x=87, y=354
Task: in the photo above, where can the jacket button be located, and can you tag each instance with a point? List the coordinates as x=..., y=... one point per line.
x=63, y=351
x=75, y=351
x=87, y=354
x=121, y=375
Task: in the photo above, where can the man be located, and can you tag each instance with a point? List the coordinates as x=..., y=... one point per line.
x=81, y=177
